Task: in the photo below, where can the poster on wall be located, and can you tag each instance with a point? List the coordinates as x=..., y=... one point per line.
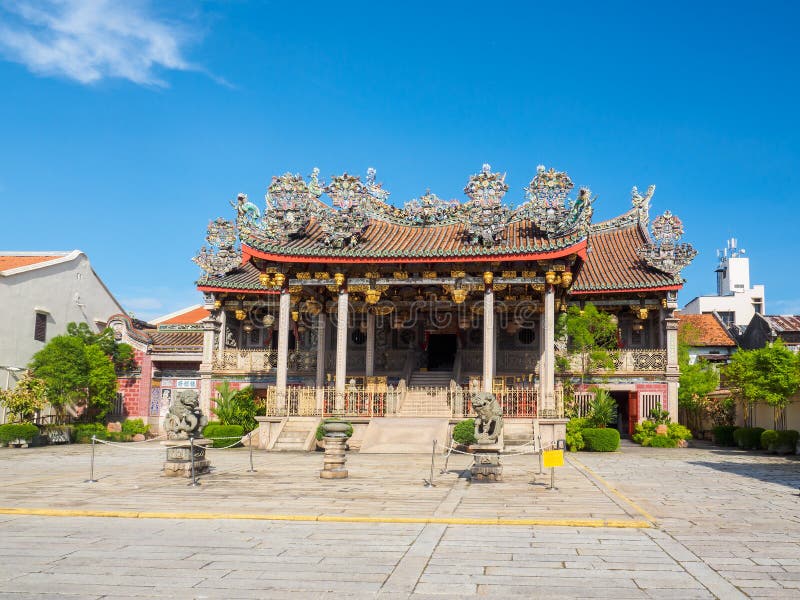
x=155, y=402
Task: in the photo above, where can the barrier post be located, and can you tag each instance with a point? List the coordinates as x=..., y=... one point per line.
x=194, y=483
x=429, y=482
x=250, y=443
x=540, y=454
x=91, y=465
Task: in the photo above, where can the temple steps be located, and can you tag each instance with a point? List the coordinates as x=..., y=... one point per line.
x=425, y=402
x=297, y=434
x=430, y=379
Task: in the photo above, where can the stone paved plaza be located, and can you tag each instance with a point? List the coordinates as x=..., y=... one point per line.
x=640, y=523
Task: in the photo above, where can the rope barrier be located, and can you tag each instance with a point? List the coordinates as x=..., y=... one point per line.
x=119, y=444
x=236, y=443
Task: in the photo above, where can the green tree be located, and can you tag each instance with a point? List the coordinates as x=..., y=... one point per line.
x=770, y=374
x=29, y=396
x=225, y=405
x=591, y=335
x=78, y=369
x=236, y=407
x=601, y=409
x=697, y=380
x=121, y=354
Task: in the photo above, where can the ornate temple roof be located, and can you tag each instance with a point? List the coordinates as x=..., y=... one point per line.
x=159, y=339
x=361, y=227
x=403, y=242
x=613, y=262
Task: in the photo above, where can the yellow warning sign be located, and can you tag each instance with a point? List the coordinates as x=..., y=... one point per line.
x=552, y=458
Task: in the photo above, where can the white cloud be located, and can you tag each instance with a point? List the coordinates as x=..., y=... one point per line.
x=89, y=40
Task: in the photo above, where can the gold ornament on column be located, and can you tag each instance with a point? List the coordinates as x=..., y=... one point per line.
x=264, y=279
x=339, y=278
x=459, y=295
x=371, y=296
x=550, y=277
x=488, y=277
x=566, y=279
x=278, y=279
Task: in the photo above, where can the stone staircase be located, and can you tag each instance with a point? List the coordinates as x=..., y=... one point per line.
x=430, y=379
x=297, y=435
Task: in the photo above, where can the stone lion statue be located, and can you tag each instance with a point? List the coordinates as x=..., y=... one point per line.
x=184, y=419
x=489, y=419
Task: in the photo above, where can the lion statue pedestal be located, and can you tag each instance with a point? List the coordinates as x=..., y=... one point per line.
x=183, y=424
x=486, y=464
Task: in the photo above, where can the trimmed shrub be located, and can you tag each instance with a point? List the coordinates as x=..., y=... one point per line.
x=787, y=441
x=768, y=440
x=464, y=432
x=223, y=435
x=663, y=441
x=132, y=427
x=643, y=432
x=18, y=431
x=575, y=429
x=321, y=432
x=601, y=440
x=676, y=431
x=723, y=435
x=748, y=438
x=84, y=431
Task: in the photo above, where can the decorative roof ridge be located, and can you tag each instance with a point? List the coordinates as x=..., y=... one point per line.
x=120, y=322
x=639, y=213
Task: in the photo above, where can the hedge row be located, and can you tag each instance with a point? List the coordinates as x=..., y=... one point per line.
x=18, y=431
x=222, y=435
x=757, y=438
x=601, y=440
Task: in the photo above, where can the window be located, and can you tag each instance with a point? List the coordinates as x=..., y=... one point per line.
x=758, y=305
x=40, y=328
x=119, y=405
x=650, y=402
x=728, y=317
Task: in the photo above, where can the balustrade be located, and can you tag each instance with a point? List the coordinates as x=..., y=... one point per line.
x=633, y=360
x=452, y=402
x=251, y=360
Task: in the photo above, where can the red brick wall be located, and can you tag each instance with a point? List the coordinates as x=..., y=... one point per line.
x=655, y=388
x=136, y=390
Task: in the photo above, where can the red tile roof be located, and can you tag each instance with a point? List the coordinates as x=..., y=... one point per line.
x=613, y=263
x=14, y=262
x=703, y=330
x=191, y=315
x=390, y=240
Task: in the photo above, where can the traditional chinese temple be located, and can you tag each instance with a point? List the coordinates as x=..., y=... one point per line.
x=357, y=307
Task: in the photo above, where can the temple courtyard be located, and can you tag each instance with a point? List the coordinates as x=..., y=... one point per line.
x=701, y=522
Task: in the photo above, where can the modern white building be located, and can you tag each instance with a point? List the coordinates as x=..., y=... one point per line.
x=40, y=293
x=735, y=301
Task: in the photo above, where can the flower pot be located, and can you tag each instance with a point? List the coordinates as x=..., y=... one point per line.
x=335, y=428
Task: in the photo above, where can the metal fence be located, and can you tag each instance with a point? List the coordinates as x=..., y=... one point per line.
x=450, y=402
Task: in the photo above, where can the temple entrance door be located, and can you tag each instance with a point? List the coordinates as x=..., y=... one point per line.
x=623, y=413
x=441, y=351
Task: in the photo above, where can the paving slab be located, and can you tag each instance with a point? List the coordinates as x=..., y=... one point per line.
x=690, y=523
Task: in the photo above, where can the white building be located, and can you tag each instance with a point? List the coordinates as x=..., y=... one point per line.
x=40, y=293
x=735, y=301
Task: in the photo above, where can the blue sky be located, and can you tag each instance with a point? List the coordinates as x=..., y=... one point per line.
x=126, y=126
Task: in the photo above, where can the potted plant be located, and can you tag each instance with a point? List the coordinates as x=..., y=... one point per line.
x=332, y=426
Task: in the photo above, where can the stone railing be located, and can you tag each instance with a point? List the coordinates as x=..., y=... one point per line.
x=508, y=361
x=262, y=360
x=452, y=402
x=627, y=361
